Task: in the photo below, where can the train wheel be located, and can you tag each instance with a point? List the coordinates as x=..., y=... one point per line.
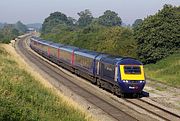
x=122, y=95
x=76, y=72
x=118, y=91
x=98, y=83
x=93, y=80
x=113, y=89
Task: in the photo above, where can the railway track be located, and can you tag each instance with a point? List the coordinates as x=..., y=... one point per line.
x=117, y=110
x=154, y=109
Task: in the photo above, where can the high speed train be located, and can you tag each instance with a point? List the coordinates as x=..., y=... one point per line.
x=120, y=75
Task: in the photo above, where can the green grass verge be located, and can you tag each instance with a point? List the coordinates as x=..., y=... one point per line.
x=166, y=70
x=22, y=98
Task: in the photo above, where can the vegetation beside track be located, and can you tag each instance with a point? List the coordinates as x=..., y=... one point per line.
x=22, y=97
x=166, y=70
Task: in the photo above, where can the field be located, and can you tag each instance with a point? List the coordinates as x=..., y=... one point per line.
x=22, y=97
x=166, y=70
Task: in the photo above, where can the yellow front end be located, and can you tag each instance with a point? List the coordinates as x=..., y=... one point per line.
x=132, y=76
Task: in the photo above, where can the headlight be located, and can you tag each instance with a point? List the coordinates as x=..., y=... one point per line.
x=142, y=81
x=125, y=81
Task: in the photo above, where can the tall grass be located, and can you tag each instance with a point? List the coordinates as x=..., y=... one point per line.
x=166, y=70
x=22, y=98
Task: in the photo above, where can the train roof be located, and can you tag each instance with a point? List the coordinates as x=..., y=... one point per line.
x=87, y=53
x=69, y=48
x=46, y=42
x=130, y=61
x=42, y=41
x=106, y=58
x=56, y=45
x=118, y=59
x=111, y=59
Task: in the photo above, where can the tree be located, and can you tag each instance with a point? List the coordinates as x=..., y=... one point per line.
x=54, y=20
x=1, y=36
x=8, y=32
x=118, y=41
x=158, y=35
x=15, y=32
x=110, y=18
x=137, y=22
x=71, y=21
x=20, y=27
x=85, y=18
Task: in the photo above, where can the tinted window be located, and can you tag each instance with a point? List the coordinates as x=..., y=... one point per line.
x=108, y=70
x=84, y=61
x=132, y=70
x=65, y=55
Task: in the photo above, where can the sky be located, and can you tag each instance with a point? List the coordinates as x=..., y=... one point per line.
x=35, y=11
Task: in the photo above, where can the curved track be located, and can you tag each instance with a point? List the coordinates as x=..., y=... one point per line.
x=114, y=111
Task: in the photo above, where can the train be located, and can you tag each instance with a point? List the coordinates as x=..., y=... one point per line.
x=119, y=75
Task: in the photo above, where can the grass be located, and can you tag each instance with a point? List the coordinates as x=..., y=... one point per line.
x=166, y=70
x=161, y=88
x=23, y=98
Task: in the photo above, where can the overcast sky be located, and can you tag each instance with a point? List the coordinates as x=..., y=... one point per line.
x=33, y=11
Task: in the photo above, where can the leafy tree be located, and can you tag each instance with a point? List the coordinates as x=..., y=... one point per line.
x=118, y=41
x=1, y=36
x=21, y=27
x=137, y=22
x=158, y=35
x=8, y=32
x=53, y=21
x=58, y=16
x=110, y=18
x=71, y=21
x=85, y=18
x=15, y=32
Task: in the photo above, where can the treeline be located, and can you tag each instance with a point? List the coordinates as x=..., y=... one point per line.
x=150, y=39
x=11, y=31
x=158, y=36
x=103, y=34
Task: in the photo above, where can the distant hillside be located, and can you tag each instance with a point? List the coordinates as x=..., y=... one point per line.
x=37, y=26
